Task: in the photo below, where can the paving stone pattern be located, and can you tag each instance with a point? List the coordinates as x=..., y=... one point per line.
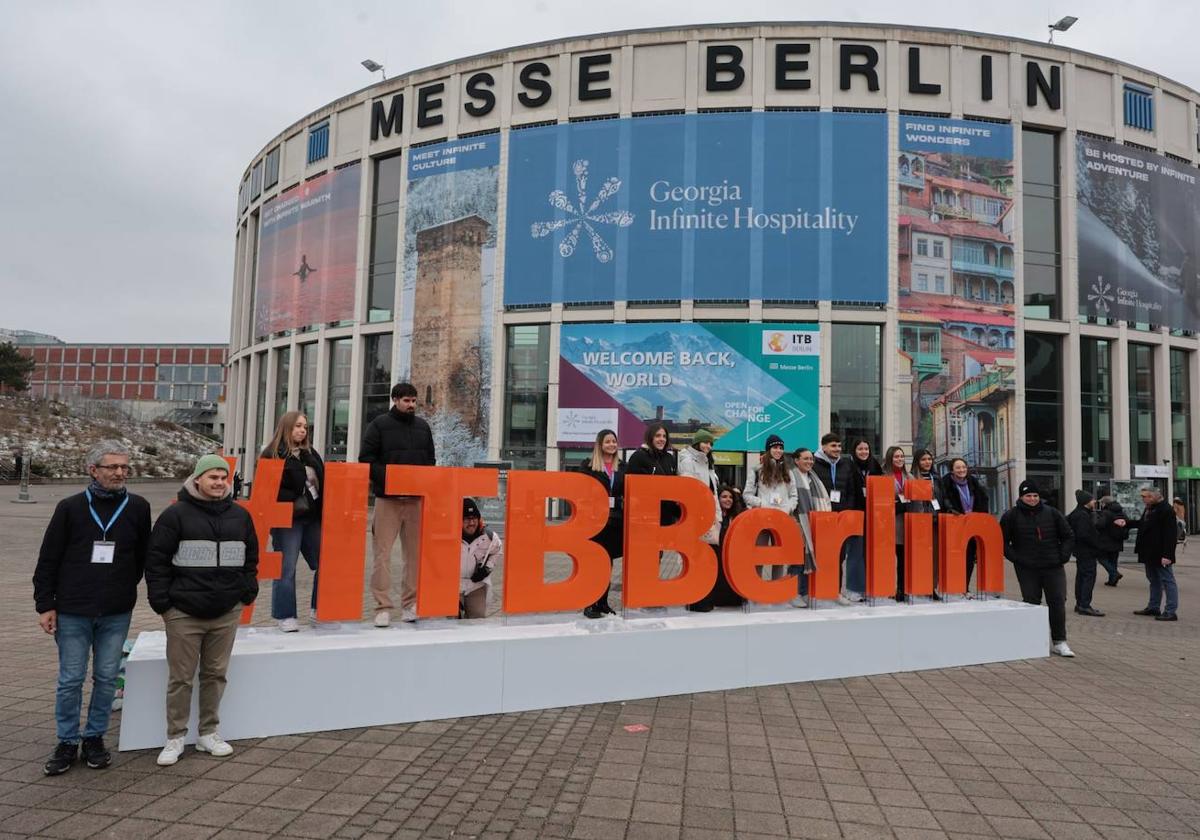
x=1103, y=746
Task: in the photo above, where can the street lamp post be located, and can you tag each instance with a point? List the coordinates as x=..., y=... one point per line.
x=376, y=67
x=1062, y=25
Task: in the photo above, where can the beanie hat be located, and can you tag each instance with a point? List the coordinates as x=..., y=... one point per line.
x=210, y=462
x=1027, y=486
x=772, y=441
x=1082, y=497
x=702, y=436
x=470, y=508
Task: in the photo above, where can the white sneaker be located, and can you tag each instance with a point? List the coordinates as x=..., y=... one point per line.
x=383, y=618
x=170, y=752
x=799, y=602
x=854, y=597
x=408, y=614
x=843, y=600
x=214, y=745
x=1061, y=649
x=288, y=625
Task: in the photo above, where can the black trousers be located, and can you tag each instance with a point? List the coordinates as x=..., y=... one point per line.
x=1085, y=581
x=1051, y=582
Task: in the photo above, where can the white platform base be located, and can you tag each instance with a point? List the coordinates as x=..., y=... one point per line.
x=352, y=675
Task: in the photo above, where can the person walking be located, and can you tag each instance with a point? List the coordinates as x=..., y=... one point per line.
x=301, y=483
x=897, y=470
x=1155, y=547
x=769, y=485
x=697, y=462
x=962, y=492
x=1113, y=530
x=605, y=465
x=84, y=588
x=862, y=466
x=397, y=437
x=201, y=569
x=482, y=549
x=1087, y=549
x=1038, y=542
x=810, y=496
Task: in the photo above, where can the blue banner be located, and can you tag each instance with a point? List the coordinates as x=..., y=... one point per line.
x=956, y=137
x=454, y=156
x=767, y=205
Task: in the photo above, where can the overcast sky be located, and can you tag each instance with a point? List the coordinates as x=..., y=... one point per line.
x=127, y=125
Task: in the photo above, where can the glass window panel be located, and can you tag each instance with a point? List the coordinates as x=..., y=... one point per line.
x=855, y=397
x=377, y=376
x=337, y=418
x=526, y=395
x=1043, y=400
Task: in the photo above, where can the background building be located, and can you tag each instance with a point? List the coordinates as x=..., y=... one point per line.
x=183, y=383
x=978, y=244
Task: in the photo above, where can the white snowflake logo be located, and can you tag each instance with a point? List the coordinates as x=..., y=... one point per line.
x=1101, y=294
x=584, y=216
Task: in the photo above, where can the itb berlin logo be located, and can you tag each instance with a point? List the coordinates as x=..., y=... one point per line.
x=585, y=216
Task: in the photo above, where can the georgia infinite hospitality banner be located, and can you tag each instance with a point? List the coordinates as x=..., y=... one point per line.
x=1139, y=235
x=308, y=244
x=765, y=205
x=742, y=382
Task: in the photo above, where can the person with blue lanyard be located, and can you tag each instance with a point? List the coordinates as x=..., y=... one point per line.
x=84, y=588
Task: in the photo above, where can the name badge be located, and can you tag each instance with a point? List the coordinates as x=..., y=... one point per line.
x=612, y=502
x=935, y=504
x=835, y=496
x=103, y=551
x=903, y=500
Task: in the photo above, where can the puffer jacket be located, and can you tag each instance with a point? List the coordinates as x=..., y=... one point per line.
x=395, y=438
x=694, y=464
x=656, y=462
x=777, y=496
x=1036, y=537
x=486, y=550
x=203, y=556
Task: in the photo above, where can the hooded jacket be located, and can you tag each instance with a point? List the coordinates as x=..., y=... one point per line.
x=483, y=549
x=825, y=468
x=395, y=438
x=203, y=556
x=694, y=464
x=656, y=462
x=1037, y=537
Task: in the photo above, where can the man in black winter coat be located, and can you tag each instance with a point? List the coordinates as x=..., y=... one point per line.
x=834, y=469
x=84, y=589
x=1155, y=547
x=398, y=437
x=202, y=568
x=1038, y=542
x=1087, y=550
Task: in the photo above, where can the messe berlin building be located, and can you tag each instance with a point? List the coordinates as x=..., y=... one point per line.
x=979, y=245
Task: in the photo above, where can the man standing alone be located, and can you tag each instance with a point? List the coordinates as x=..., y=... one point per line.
x=398, y=437
x=1038, y=542
x=1155, y=547
x=1087, y=550
x=85, y=585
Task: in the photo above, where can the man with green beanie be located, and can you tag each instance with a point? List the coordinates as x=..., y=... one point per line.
x=202, y=567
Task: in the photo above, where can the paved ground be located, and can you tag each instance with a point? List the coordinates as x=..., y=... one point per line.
x=1106, y=745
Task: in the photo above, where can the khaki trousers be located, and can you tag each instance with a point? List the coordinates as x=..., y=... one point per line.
x=400, y=517
x=206, y=642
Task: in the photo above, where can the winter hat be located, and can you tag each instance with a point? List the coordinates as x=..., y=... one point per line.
x=772, y=441
x=702, y=436
x=210, y=462
x=1027, y=486
x=1082, y=497
x=470, y=508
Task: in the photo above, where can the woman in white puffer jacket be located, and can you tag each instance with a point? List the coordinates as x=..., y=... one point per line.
x=481, y=551
x=770, y=485
x=697, y=462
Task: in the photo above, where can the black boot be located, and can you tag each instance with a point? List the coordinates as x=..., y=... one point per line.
x=593, y=612
x=95, y=754
x=61, y=761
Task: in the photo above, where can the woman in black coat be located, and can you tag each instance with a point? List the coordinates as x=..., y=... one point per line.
x=655, y=457
x=962, y=493
x=863, y=465
x=605, y=465
x=302, y=485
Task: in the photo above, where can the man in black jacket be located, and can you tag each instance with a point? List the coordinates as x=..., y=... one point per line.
x=1087, y=550
x=1038, y=542
x=202, y=568
x=1155, y=547
x=398, y=437
x=84, y=589
x=834, y=470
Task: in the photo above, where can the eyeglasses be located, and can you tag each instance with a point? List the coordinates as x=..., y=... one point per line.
x=115, y=467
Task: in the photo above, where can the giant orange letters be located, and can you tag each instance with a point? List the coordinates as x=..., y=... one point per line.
x=956, y=533
x=343, y=542
x=442, y=490
x=267, y=513
x=742, y=556
x=881, y=537
x=918, y=540
x=830, y=531
x=530, y=537
x=645, y=537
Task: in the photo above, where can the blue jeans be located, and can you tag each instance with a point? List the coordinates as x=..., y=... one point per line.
x=76, y=636
x=1162, y=580
x=856, y=565
x=302, y=538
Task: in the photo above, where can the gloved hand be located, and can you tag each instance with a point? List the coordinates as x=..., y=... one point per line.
x=481, y=572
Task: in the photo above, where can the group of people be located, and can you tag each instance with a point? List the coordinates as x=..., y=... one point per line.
x=200, y=557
